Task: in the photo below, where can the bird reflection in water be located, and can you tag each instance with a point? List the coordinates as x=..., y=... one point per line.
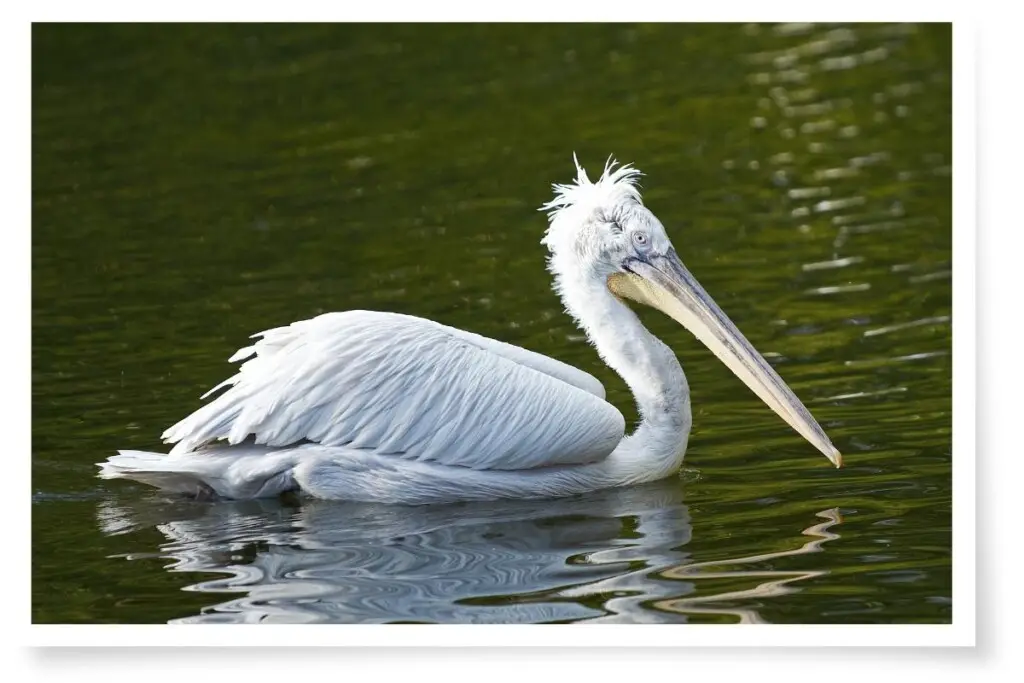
x=617, y=556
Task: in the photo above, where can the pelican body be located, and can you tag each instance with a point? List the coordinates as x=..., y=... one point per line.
x=382, y=407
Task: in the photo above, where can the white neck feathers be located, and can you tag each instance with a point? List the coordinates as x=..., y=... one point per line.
x=649, y=368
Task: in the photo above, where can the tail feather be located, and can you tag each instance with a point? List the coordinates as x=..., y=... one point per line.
x=237, y=472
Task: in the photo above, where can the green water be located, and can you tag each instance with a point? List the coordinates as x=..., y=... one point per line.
x=195, y=184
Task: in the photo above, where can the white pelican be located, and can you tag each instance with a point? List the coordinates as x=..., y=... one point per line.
x=381, y=407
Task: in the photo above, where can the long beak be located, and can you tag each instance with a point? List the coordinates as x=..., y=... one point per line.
x=664, y=283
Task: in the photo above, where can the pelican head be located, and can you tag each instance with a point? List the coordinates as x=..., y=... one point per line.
x=602, y=238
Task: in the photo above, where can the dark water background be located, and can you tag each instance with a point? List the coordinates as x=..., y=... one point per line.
x=195, y=184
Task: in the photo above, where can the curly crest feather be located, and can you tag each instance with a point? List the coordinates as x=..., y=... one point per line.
x=615, y=184
x=572, y=202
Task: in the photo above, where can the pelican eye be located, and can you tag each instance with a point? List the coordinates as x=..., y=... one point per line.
x=641, y=238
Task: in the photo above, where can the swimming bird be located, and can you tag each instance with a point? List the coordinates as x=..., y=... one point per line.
x=381, y=407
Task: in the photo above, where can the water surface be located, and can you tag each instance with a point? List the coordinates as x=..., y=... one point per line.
x=195, y=184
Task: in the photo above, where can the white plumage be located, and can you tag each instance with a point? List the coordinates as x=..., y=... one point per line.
x=410, y=388
x=371, y=406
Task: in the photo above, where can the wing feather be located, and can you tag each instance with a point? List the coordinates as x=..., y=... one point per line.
x=408, y=387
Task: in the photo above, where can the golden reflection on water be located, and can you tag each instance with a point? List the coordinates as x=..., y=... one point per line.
x=771, y=583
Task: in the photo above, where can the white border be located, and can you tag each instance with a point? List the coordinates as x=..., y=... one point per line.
x=964, y=330
x=532, y=636
x=961, y=632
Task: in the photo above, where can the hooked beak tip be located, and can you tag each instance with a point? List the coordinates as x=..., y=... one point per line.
x=836, y=458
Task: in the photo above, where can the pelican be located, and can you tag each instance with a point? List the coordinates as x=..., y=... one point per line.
x=381, y=407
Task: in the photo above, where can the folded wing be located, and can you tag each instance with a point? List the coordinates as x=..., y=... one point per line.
x=404, y=386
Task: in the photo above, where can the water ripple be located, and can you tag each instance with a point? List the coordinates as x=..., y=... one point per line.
x=768, y=583
x=839, y=289
x=934, y=320
x=834, y=263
